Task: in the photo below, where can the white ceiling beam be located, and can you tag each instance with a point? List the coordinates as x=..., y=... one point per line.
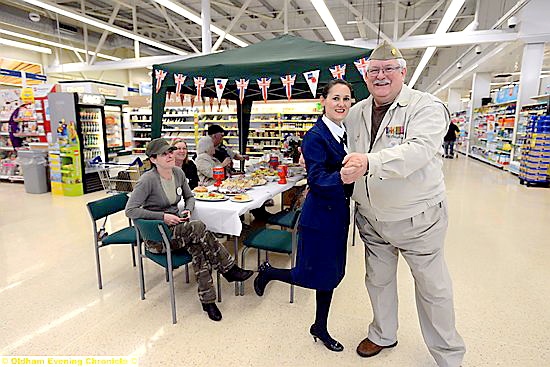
x=365, y=21
x=328, y=19
x=25, y=46
x=103, y=25
x=396, y=20
x=231, y=25
x=178, y=30
x=422, y=20
x=104, y=34
x=186, y=13
x=442, y=40
x=140, y=63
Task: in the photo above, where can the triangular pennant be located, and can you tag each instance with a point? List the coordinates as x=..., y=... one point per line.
x=159, y=76
x=288, y=82
x=312, y=79
x=362, y=64
x=220, y=87
x=199, y=84
x=338, y=71
x=242, y=84
x=263, y=84
x=179, y=79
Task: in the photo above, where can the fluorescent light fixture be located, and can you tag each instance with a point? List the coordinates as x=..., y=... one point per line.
x=105, y=26
x=327, y=18
x=25, y=46
x=178, y=9
x=55, y=44
x=443, y=27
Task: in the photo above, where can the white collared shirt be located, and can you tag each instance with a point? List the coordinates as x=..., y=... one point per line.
x=336, y=131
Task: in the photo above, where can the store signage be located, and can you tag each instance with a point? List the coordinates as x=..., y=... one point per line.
x=27, y=95
x=40, y=77
x=145, y=89
x=107, y=91
x=91, y=99
x=75, y=89
x=133, y=90
x=13, y=73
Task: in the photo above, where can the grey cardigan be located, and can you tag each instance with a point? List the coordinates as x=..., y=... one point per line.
x=148, y=200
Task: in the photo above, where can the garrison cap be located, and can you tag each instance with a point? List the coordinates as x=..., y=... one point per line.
x=158, y=146
x=385, y=51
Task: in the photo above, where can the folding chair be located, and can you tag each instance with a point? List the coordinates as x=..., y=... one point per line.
x=158, y=231
x=101, y=209
x=274, y=240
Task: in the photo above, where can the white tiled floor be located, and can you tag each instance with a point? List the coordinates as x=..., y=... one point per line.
x=498, y=251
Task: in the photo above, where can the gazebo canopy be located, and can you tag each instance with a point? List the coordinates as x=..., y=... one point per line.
x=274, y=58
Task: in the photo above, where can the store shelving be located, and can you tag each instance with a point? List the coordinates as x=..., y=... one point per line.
x=460, y=119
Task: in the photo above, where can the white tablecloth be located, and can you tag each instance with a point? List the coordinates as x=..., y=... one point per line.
x=223, y=216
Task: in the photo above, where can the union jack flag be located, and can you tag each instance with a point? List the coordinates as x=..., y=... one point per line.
x=159, y=76
x=264, y=84
x=242, y=84
x=220, y=86
x=179, y=79
x=338, y=71
x=288, y=82
x=199, y=83
x=362, y=64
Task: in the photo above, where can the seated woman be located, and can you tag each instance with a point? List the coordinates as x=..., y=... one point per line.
x=206, y=161
x=181, y=155
x=156, y=196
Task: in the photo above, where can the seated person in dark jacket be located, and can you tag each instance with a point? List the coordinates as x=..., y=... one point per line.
x=156, y=196
x=216, y=132
x=181, y=155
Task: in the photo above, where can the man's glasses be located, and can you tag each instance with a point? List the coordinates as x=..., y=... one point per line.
x=386, y=70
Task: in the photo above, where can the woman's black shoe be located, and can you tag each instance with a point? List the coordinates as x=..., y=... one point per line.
x=237, y=274
x=261, y=282
x=213, y=311
x=330, y=343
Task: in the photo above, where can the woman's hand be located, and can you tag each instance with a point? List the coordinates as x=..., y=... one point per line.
x=172, y=219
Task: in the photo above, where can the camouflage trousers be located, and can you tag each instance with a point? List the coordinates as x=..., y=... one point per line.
x=207, y=254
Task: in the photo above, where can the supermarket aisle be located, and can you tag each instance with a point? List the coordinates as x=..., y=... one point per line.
x=497, y=250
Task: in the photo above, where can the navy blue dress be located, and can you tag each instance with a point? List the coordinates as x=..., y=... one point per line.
x=323, y=226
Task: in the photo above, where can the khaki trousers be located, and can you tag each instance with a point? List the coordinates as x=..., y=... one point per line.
x=420, y=240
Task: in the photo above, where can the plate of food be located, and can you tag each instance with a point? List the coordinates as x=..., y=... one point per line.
x=210, y=196
x=241, y=198
x=200, y=189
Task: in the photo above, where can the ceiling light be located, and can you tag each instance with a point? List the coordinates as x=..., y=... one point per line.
x=443, y=27
x=55, y=44
x=25, y=46
x=105, y=26
x=327, y=18
x=178, y=9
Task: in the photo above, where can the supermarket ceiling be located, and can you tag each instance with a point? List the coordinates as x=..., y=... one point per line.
x=153, y=29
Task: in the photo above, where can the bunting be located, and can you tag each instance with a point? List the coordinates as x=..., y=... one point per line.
x=179, y=79
x=338, y=71
x=362, y=64
x=242, y=84
x=264, y=84
x=288, y=82
x=220, y=87
x=312, y=79
x=159, y=76
x=199, y=83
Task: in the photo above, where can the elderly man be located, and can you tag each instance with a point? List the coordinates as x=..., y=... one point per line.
x=216, y=132
x=396, y=136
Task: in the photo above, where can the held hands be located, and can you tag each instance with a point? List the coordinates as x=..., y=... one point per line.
x=172, y=219
x=354, y=166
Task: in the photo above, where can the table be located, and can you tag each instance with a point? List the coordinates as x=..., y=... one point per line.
x=224, y=216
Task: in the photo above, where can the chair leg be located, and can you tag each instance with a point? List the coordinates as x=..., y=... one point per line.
x=236, y=251
x=292, y=264
x=219, y=286
x=186, y=273
x=133, y=255
x=172, y=292
x=167, y=275
x=354, y=226
x=140, y=271
x=243, y=257
x=98, y=266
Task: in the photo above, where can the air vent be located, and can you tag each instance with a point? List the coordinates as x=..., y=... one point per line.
x=67, y=29
x=503, y=75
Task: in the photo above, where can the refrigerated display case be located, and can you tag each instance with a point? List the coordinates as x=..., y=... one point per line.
x=86, y=113
x=114, y=128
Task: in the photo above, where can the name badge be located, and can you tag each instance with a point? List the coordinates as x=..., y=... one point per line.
x=179, y=191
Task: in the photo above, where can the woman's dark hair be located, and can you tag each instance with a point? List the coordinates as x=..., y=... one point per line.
x=332, y=83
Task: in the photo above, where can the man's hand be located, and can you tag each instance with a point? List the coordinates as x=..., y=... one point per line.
x=226, y=162
x=245, y=157
x=354, y=165
x=302, y=161
x=172, y=219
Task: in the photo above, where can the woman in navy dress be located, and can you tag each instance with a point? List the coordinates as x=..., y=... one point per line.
x=323, y=226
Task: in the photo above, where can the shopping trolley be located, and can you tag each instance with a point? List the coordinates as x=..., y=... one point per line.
x=118, y=177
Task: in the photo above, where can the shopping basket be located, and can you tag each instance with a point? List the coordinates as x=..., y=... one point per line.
x=118, y=177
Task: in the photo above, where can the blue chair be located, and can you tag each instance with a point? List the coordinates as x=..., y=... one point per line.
x=285, y=218
x=101, y=209
x=274, y=240
x=158, y=231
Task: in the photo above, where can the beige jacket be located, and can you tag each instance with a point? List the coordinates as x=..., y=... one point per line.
x=205, y=163
x=405, y=175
